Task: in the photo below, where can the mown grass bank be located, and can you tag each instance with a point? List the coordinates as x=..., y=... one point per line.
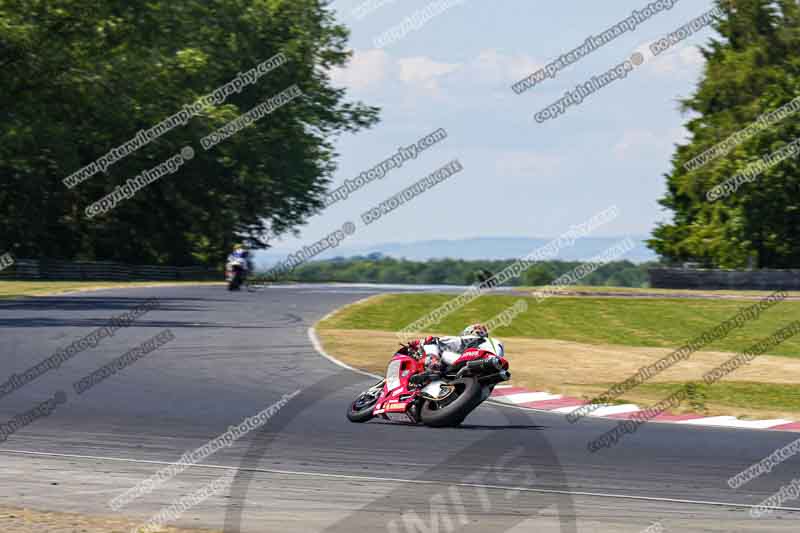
x=652, y=322
x=580, y=346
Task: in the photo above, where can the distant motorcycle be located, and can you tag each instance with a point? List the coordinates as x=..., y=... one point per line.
x=430, y=398
x=235, y=272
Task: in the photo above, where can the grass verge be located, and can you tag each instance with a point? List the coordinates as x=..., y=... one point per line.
x=745, y=396
x=547, y=353
x=591, y=289
x=18, y=289
x=657, y=323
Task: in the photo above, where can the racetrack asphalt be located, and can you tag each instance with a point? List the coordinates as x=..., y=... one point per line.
x=308, y=468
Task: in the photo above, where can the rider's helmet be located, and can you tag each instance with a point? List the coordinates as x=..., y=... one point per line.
x=240, y=251
x=475, y=330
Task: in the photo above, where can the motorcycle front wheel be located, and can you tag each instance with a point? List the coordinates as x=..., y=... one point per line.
x=236, y=282
x=361, y=409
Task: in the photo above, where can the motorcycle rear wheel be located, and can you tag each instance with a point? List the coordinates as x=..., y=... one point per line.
x=452, y=413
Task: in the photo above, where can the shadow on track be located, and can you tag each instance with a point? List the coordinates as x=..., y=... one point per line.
x=91, y=323
x=462, y=427
x=97, y=303
x=489, y=474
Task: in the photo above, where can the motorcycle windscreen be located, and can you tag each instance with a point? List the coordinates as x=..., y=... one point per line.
x=393, y=375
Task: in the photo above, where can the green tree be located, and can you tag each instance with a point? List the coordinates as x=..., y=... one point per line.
x=538, y=274
x=752, y=69
x=81, y=77
x=461, y=272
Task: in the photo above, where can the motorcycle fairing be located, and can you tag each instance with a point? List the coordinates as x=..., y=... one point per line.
x=400, y=369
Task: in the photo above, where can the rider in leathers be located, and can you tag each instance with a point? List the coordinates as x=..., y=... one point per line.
x=439, y=352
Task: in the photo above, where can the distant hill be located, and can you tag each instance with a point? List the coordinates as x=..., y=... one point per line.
x=479, y=248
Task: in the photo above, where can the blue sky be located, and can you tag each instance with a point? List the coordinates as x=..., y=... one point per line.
x=520, y=178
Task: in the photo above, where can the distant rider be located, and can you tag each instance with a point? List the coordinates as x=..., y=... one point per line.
x=240, y=252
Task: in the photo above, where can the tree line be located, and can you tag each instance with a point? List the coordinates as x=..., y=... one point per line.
x=379, y=269
x=82, y=78
x=737, y=134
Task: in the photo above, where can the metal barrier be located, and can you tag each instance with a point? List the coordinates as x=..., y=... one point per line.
x=718, y=279
x=56, y=270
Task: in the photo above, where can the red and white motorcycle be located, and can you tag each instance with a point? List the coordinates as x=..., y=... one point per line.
x=430, y=398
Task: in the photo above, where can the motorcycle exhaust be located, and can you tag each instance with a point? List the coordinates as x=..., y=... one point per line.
x=503, y=375
x=491, y=364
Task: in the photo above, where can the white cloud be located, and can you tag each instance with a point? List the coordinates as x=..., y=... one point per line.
x=641, y=143
x=684, y=60
x=424, y=72
x=492, y=66
x=365, y=69
x=372, y=69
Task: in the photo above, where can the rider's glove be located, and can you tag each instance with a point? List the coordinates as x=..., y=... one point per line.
x=433, y=362
x=415, y=348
